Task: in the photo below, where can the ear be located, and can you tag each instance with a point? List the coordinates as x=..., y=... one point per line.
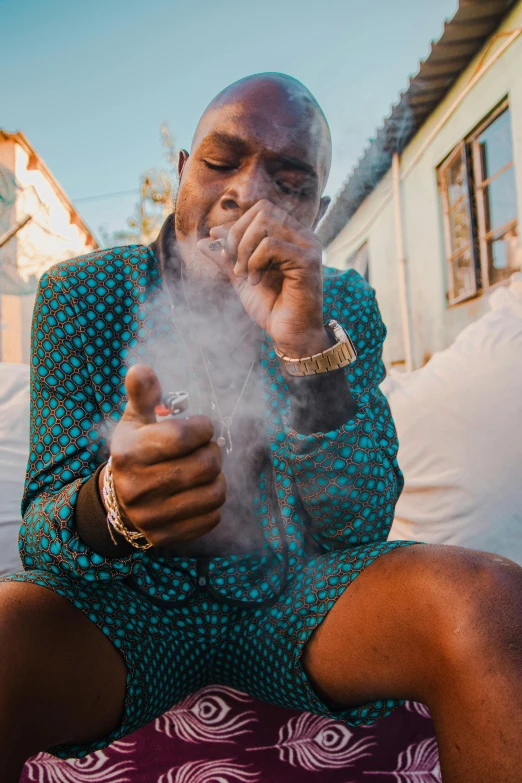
x=182, y=159
x=323, y=206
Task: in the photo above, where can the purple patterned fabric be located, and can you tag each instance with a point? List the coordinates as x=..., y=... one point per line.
x=220, y=735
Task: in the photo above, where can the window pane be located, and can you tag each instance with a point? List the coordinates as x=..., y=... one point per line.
x=463, y=270
x=456, y=180
x=495, y=145
x=460, y=229
x=500, y=201
x=504, y=256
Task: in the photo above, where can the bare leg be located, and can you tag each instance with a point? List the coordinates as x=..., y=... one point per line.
x=443, y=626
x=61, y=680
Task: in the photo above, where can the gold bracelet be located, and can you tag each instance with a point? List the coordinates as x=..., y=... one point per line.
x=114, y=520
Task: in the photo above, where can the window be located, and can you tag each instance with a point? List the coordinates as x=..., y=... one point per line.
x=480, y=209
x=496, y=199
x=460, y=249
x=360, y=261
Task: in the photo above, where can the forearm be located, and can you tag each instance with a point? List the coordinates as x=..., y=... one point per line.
x=320, y=403
x=323, y=402
x=49, y=539
x=90, y=520
x=348, y=479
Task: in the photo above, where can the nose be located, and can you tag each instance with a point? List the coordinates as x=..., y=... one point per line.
x=247, y=187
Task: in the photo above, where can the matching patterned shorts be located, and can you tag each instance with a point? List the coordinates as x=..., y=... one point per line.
x=171, y=653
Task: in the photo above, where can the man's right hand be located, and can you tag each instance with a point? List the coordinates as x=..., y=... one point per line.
x=167, y=475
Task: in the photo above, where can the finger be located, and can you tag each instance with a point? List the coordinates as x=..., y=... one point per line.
x=272, y=252
x=186, y=530
x=268, y=222
x=183, y=505
x=143, y=394
x=201, y=500
x=148, y=484
x=252, y=238
x=262, y=210
x=159, y=442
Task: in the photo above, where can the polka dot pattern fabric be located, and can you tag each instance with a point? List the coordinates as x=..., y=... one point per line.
x=171, y=653
x=333, y=493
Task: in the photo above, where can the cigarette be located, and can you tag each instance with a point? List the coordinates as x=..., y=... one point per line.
x=175, y=402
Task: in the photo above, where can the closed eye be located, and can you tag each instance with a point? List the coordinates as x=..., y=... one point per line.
x=289, y=191
x=218, y=167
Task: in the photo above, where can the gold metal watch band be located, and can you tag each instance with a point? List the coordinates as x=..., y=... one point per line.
x=339, y=355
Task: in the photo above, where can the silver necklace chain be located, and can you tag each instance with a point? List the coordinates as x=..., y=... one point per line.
x=224, y=421
x=242, y=337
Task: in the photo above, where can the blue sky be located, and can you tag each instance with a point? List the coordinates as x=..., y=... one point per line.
x=90, y=82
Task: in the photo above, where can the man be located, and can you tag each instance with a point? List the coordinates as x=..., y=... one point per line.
x=284, y=585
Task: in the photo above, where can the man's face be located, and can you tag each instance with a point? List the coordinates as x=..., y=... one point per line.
x=252, y=148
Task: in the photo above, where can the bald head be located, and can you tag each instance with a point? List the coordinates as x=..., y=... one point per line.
x=263, y=138
x=280, y=100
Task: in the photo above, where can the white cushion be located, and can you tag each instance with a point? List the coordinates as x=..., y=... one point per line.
x=14, y=447
x=459, y=421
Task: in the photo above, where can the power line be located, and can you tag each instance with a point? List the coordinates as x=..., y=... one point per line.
x=107, y=195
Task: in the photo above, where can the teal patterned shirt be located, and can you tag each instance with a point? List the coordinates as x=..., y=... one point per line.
x=92, y=321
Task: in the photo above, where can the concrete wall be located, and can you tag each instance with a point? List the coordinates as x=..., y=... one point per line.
x=435, y=324
x=48, y=238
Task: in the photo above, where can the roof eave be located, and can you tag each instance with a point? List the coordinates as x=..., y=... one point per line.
x=463, y=37
x=36, y=162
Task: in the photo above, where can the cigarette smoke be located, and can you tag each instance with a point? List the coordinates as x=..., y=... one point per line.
x=218, y=323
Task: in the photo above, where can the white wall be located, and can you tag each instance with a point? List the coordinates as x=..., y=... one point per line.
x=48, y=238
x=435, y=324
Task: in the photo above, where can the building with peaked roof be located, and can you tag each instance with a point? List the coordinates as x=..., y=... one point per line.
x=431, y=212
x=39, y=226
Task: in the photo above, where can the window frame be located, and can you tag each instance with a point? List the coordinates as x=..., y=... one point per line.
x=479, y=186
x=458, y=152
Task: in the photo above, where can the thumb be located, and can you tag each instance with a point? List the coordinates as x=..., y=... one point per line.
x=143, y=394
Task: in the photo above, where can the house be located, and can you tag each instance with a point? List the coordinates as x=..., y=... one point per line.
x=431, y=212
x=38, y=227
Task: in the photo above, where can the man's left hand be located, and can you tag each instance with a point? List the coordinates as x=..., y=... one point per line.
x=275, y=265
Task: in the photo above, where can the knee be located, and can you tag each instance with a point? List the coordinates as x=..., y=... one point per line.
x=24, y=607
x=24, y=614
x=16, y=608
x=480, y=608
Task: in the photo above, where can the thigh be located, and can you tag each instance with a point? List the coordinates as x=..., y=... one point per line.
x=61, y=680
x=108, y=661
x=401, y=625
x=264, y=651
x=358, y=631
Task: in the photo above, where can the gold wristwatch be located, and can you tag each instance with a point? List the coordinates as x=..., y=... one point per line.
x=339, y=355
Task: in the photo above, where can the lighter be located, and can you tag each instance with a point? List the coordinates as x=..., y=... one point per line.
x=173, y=403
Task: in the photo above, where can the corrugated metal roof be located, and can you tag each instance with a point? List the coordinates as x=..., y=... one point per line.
x=463, y=36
